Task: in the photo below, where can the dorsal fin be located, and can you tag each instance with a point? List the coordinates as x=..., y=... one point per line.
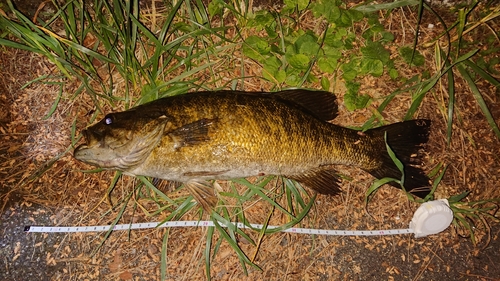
x=321, y=104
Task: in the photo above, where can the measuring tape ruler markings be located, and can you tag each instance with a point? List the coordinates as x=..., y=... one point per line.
x=101, y=228
x=430, y=218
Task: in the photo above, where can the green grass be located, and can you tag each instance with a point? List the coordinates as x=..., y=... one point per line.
x=121, y=57
x=463, y=57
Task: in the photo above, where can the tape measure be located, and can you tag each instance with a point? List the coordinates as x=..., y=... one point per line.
x=430, y=218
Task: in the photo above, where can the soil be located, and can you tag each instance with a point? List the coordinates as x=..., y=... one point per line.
x=63, y=195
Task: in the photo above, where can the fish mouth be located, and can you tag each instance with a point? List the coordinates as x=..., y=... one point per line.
x=81, y=147
x=85, y=145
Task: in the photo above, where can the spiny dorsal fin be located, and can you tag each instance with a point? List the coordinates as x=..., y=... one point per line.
x=323, y=180
x=321, y=104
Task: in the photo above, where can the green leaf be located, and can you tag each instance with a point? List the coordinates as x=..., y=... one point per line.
x=332, y=52
x=300, y=4
x=256, y=48
x=272, y=64
x=373, y=67
x=376, y=185
x=334, y=40
x=327, y=9
x=262, y=19
x=293, y=78
x=350, y=69
x=280, y=76
x=428, y=84
x=352, y=100
x=387, y=36
x=407, y=53
x=215, y=7
x=374, y=30
x=272, y=72
x=350, y=74
x=458, y=197
x=299, y=61
x=327, y=64
x=355, y=15
x=306, y=44
x=309, y=48
x=375, y=50
x=344, y=20
x=393, y=73
x=325, y=83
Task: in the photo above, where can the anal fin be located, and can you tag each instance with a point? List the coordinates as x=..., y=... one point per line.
x=204, y=193
x=323, y=180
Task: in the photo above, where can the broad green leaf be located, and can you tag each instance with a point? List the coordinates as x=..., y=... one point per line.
x=299, y=61
x=375, y=50
x=355, y=15
x=393, y=73
x=309, y=48
x=325, y=83
x=332, y=52
x=300, y=4
x=256, y=48
x=407, y=53
x=272, y=72
x=293, y=78
x=280, y=76
x=352, y=100
x=262, y=19
x=306, y=44
x=272, y=64
x=327, y=64
x=350, y=69
x=327, y=9
x=387, y=36
x=215, y=7
x=373, y=67
x=334, y=40
x=350, y=74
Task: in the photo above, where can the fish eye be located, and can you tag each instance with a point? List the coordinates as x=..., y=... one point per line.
x=108, y=120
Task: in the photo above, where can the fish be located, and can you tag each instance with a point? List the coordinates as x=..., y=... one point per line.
x=198, y=137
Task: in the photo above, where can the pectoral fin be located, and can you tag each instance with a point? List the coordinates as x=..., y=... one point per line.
x=323, y=180
x=192, y=133
x=204, y=193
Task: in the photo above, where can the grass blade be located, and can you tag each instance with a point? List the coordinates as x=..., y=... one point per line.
x=479, y=98
x=370, y=8
x=429, y=84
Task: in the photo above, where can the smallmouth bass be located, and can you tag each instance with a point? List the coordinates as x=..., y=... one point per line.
x=222, y=135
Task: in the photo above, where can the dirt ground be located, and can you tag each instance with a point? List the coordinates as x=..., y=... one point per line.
x=63, y=195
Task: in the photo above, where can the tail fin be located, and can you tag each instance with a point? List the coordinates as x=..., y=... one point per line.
x=405, y=139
